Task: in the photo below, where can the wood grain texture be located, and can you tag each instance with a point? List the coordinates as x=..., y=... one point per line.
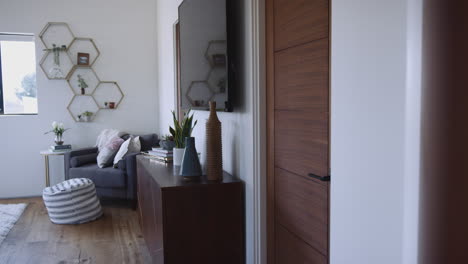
x=301, y=142
x=299, y=21
x=114, y=238
x=294, y=250
x=270, y=100
x=193, y=221
x=302, y=208
x=301, y=77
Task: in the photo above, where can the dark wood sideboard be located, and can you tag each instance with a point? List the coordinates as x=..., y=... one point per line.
x=190, y=222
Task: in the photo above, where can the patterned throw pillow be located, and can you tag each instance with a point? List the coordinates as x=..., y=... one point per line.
x=107, y=154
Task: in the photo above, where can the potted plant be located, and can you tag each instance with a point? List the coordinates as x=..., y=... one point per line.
x=167, y=143
x=182, y=129
x=58, y=129
x=87, y=116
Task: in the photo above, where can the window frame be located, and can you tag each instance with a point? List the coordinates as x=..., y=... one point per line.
x=2, y=103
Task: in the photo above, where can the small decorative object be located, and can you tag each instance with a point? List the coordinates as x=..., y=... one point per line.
x=82, y=84
x=190, y=168
x=214, y=149
x=58, y=129
x=106, y=105
x=82, y=59
x=111, y=105
x=219, y=60
x=167, y=143
x=180, y=131
x=56, y=71
x=87, y=116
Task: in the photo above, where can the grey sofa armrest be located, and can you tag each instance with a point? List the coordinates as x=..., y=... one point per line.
x=74, y=153
x=131, y=168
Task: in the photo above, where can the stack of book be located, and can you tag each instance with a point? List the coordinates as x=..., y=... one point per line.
x=161, y=154
x=60, y=148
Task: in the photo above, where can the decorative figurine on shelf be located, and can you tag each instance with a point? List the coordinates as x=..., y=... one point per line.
x=111, y=105
x=106, y=105
x=55, y=72
x=82, y=84
x=58, y=129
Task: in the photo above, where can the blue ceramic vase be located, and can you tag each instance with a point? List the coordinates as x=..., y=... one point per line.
x=190, y=166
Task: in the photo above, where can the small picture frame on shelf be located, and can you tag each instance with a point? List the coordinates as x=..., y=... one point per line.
x=83, y=59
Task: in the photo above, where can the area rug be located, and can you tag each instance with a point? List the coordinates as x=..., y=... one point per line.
x=9, y=214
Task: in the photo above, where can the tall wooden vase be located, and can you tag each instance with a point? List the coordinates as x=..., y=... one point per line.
x=214, y=148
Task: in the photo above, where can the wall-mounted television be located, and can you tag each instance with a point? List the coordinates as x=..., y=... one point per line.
x=206, y=47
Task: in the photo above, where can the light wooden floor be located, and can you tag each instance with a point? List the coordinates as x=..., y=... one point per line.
x=114, y=238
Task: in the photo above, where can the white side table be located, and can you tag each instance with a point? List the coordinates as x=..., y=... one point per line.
x=46, y=154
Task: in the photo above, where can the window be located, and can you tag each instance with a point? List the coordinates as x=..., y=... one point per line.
x=18, y=90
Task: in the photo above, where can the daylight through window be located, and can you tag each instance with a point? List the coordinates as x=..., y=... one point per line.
x=18, y=89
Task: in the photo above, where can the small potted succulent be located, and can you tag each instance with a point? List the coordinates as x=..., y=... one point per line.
x=86, y=116
x=167, y=142
x=58, y=129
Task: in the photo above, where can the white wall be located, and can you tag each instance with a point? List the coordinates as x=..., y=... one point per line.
x=237, y=127
x=125, y=33
x=375, y=131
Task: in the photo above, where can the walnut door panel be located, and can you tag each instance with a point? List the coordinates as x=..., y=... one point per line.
x=158, y=212
x=292, y=250
x=301, y=142
x=301, y=77
x=299, y=21
x=302, y=208
x=147, y=211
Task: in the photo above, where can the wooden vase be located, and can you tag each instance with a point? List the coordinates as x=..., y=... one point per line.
x=214, y=149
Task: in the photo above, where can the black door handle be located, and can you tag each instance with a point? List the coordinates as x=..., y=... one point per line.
x=322, y=178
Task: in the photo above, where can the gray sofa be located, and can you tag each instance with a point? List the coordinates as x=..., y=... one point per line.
x=114, y=183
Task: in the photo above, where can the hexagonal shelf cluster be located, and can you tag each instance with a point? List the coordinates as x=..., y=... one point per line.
x=71, y=58
x=214, y=87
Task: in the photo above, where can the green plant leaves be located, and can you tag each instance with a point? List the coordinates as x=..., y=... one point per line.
x=182, y=129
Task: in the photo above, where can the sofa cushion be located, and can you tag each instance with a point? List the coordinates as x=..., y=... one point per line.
x=148, y=141
x=102, y=177
x=131, y=145
x=106, y=155
x=78, y=161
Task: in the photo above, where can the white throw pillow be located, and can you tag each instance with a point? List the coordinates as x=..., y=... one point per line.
x=131, y=145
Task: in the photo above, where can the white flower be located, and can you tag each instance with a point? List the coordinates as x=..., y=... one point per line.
x=54, y=125
x=61, y=126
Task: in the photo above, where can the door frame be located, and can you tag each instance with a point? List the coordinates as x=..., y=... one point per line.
x=257, y=60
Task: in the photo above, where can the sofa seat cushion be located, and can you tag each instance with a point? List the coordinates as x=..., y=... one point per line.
x=102, y=177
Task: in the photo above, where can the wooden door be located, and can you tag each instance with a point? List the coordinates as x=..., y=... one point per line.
x=298, y=130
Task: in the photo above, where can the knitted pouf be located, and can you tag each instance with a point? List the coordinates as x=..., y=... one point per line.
x=72, y=202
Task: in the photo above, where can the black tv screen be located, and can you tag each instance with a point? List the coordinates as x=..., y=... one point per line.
x=206, y=73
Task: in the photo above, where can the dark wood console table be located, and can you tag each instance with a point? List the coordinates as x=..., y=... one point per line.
x=190, y=222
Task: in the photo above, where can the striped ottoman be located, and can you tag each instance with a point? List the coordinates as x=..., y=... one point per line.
x=72, y=202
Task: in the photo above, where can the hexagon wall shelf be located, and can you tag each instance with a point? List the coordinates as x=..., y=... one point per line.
x=217, y=79
x=106, y=92
x=199, y=93
x=215, y=53
x=88, y=75
x=53, y=71
x=98, y=92
x=80, y=104
x=58, y=33
x=83, y=45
